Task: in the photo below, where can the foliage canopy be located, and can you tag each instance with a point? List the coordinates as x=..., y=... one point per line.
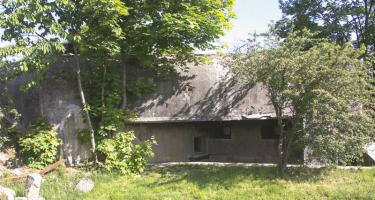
x=321, y=86
x=150, y=33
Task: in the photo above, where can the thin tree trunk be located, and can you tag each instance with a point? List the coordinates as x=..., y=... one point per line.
x=365, y=32
x=103, y=85
x=124, y=96
x=291, y=133
x=281, y=146
x=84, y=105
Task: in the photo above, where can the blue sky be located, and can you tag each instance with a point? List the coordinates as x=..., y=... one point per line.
x=252, y=16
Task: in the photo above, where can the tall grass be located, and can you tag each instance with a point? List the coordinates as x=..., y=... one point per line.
x=209, y=182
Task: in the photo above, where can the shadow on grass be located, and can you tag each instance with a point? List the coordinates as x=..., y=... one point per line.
x=206, y=176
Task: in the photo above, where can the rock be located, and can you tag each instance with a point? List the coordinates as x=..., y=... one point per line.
x=33, y=183
x=24, y=198
x=85, y=185
x=2, y=170
x=3, y=158
x=9, y=194
x=16, y=172
x=311, y=161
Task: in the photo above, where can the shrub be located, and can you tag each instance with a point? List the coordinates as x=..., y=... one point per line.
x=121, y=154
x=9, y=118
x=3, y=140
x=39, y=145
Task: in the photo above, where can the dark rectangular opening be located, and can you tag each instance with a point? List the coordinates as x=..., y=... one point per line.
x=268, y=129
x=227, y=132
x=218, y=130
x=198, y=144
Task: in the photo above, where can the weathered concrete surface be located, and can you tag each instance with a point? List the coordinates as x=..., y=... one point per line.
x=7, y=193
x=175, y=141
x=60, y=104
x=370, y=150
x=56, y=99
x=33, y=184
x=26, y=101
x=204, y=92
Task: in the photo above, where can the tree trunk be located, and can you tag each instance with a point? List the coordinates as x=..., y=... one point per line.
x=84, y=105
x=103, y=85
x=368, y=10
x=124, y=66
x=281, y=146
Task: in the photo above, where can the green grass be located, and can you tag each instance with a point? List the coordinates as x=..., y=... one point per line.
x=208, y=182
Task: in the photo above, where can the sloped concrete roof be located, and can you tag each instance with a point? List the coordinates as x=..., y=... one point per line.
x=207, y=92
x=371, y=150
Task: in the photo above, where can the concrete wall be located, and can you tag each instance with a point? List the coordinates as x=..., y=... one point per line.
x=25, y=101
x=204, y=92
x=175, y=141
x=56, y=99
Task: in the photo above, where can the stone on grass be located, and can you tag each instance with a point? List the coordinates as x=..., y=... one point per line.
x=33, y=183
x=3, y=158
x=16, y=172
x=7, y=193
x=20, y=198
x=2, y=170
x=85, y=185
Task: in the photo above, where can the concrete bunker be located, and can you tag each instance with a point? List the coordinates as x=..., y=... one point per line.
x=216, y=141
x=199, y=114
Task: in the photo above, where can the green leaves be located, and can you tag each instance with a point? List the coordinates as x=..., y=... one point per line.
x=9, y=119
x=121, y=154
x=321, y=84
x=154, y=34
x=39, y=146
x=170, y=31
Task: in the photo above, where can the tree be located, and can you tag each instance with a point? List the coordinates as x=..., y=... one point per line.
x=319, y=86
x=161, y=34
x=157, y=34
x=341, y=21
x=336, y=20
x=40, y=31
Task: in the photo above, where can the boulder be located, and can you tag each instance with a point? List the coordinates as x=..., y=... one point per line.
x=9, y=194
x=85, y=185
x=33, y=184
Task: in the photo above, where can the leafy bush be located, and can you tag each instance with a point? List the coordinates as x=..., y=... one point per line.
x=3, y=140
x=39, y=145
x=121, y=154
x=141, y=86
x=112, y=120
x=9, y=119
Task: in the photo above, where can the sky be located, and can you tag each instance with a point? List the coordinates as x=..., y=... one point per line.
x=252, y=16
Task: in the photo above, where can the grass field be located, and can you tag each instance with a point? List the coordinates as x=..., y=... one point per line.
x=209, y=182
